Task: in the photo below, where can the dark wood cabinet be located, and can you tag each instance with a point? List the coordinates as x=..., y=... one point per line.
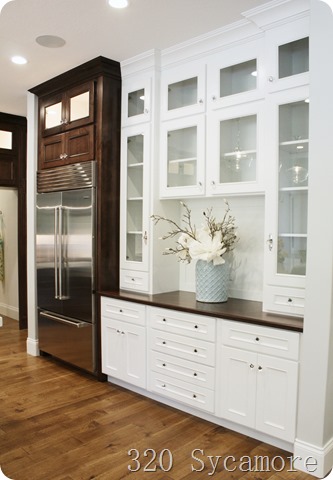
x=93, y=134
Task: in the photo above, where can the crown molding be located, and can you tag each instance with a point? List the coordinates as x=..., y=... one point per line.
x=277, y=12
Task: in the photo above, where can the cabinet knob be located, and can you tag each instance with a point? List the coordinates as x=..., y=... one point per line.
x=163, y=364
x=271, y=79
x=120, y=310
x=269, y=242
x=195, y=350
x=194, y=395
x=164, y=320
x=213, y=98
x=195, y=374
x=64, y=121
x=212, y=183
x=164, y=342
x=257, y=339
x=200, y=184
x=251, y=365
x=146, y=110
x=260, y=368
x=200, y=100
x=145, y=237
x=196, y=326
x=290, y=300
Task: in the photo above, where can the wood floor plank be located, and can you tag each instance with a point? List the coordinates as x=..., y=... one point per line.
x=59, y=424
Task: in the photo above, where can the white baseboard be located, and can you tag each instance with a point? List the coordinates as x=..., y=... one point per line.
x=9, y=311
x=316, y=461
x=32, y=347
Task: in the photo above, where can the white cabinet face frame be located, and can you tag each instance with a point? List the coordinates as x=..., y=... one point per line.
x=287, y=56
x=236, y=75
x=183, y=90
x=280, y=196
x=136, y=101
x=236, y=157
x=182, y=157
x=134, y=201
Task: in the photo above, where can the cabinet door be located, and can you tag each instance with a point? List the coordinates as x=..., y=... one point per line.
x=183, y=91
x=234, y=150
x=183, y=156
x=66, y=110
x=75, y=146
x=277, y=381
x=287, y=190
x=136, y=101
x=135, y=154
x=287, y=56
x=236, y=386
x=113, y=348
x=235, y=76
x=9, y=139
x=135, y=355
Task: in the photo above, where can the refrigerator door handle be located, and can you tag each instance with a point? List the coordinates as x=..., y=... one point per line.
x=56, y=253
x=71, y=323
x=60, y=251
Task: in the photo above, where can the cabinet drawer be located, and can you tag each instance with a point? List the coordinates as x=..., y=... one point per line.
x=192, y=372
x=271, y=341
x=132, y=280
x=120, y=310
x=196, y=326
x=187, y=348
x=184, y=392
x=285, y=300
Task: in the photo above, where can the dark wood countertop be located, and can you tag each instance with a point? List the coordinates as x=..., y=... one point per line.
x=234, y=309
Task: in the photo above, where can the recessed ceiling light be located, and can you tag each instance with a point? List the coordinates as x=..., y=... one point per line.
x=118, y=3
x=19, y=60
x=3, y=3
x=50, y=41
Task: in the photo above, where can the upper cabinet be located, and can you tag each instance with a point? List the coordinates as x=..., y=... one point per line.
x=12, y=149
x=136, y=101
x=67, y=110
x=287, y=56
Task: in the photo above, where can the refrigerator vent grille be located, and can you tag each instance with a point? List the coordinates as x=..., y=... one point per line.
x=68, y=177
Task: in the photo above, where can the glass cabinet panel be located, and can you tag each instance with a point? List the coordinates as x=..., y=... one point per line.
x=53, y=115
x=136, y=103
x=182, y=157
x=238, y=78
x=294, y=58
x=238, y=149
x=293, y=188
x=134, y=220
x=6, y=140
x=183, y=93
x=79, y=106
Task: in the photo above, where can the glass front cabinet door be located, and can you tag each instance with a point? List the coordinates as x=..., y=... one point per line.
x=233, y=150
x=136, y=101
x=183, y=91
x=134, y=209
x=183, y=156
x=286, y=242
x=70, y=109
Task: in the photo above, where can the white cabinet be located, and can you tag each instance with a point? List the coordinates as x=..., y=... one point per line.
x=234, y=140
x=136, y=100
x=134, y=228
x=257, y=378
x=286, y=201
x=182, y=157
x=124, y=341
x=182, y=357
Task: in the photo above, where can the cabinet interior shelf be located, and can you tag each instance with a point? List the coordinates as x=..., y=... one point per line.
x=134, y=232
x=183, y=160
x=295, y=142
x=293, y=235
x=293, y=189
x=135, y=199
x=135, y=165
x=240, y=153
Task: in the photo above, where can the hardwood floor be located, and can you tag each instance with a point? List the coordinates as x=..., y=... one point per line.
x=58, y=424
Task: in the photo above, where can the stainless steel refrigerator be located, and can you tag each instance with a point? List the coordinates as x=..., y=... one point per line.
x=65, y=248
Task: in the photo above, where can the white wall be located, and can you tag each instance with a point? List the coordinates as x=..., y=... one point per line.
x=9, y=286
x=247, y=263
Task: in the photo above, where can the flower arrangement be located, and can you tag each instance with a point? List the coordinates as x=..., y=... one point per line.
x=209, y=242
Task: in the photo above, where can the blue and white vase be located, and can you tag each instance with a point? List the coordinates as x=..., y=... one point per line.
x=212, y=282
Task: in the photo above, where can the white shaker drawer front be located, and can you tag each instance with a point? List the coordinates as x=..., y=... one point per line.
x=121, y=310
x=187, y=348
x=271, y=341
x=132, y=280
x=184, y=392
x=195, y=373
x=290, y=301
x=196, y=326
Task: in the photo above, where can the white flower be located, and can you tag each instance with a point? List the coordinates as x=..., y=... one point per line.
x=207, y=248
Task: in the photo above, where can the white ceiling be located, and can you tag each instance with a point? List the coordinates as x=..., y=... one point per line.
x=91, y=28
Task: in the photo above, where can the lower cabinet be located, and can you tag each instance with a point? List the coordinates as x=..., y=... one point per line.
x=123, y=343
x=256, y=386
x=243, y=373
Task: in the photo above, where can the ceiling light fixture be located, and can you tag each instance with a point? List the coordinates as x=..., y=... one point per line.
x=118, y=3
x=3, y=3
x=18, y=60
